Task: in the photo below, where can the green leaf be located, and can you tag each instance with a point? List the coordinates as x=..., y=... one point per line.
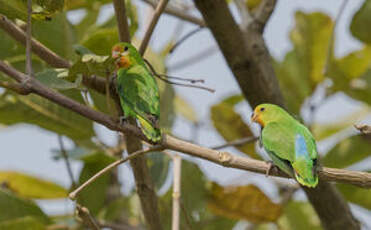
x=299, y=216
x=101, y=41
x=352, y=75
x=93, y=197
x=49, y=77
x=183, y=108
x=348, y=152
x=359, y=196
x=27, y=222
x=167, y=104
x=243, y=202
x=116, y=210
x=16, y=207
x=230, y=126
x=35, y=110
x=360, y=25
x=158, y=164
x=295, y=85
x=31, y=187
x=14, y=9
x=302, y=69
x=311, y=40
x=57, y=34
x=89, y=4
x=325, y=130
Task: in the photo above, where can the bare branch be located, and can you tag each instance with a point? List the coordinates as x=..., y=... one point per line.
x=86, y=218
x=365, y=129
x=16, y=87
x=177, y=159
x=332, y=39
x=39, y=49
x=263, y=13
x=66, y=160
x=360, y=179
x=184, y=38
x=194, y=59
x=163, y=78
x=236, y=143
x=74, y=193
x=151, y=27
x=28, y=39
x=122, y=21
x=178, y=13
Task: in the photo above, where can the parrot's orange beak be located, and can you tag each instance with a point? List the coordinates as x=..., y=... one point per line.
x=256, y=118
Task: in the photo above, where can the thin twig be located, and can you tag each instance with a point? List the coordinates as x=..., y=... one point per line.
x=244, y=13
x=263, y=13
x=177, y=159
x=236, y=143
x=28, y=39
x=161, y=77
x=184, y=38
x=332, y=38
x=365, y=129
x=194, y=59
x=86, y=217
x=122, y=21
x=156, y=16
x=39, y=49
x=178, y=13
x=16, y=87
x=357, y=178
x=67, y=161
x=74, y=193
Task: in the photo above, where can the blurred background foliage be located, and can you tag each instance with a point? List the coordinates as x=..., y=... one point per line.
x=310, y=68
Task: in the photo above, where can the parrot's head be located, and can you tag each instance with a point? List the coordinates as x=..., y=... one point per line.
x=265, y=113
x=125, y=55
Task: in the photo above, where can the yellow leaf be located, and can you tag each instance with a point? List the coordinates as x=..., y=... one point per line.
x=183, y=108
x=31, y=187
x=243, y=202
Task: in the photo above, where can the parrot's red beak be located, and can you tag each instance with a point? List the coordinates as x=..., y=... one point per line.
x=123, y=62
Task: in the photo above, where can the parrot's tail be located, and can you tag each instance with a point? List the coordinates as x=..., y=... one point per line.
x=309, y=182
x=149, y=131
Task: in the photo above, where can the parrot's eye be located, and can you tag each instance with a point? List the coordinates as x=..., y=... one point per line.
x=262, y=109
x=126, y=48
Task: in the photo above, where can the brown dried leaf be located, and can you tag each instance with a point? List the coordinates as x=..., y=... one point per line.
x=243, y=202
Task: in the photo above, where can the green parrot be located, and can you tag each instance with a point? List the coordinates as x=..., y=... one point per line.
x=137, y=89
x=290, y=144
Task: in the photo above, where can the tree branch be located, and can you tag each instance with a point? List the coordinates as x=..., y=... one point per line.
x=246, y=54
x=178, y=13
x=28, y=39
x=16, y=87
x=151, y=27
x=143, y=180
x=109, y=167
x=250, y=61
x=360, y=179
x=86, y=218
x=177, y=160
x=39, y=49
x=121, y=19
x=263, y=13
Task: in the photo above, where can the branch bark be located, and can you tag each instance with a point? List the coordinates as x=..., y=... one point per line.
x=360, y=179
x=249, y=59
x=143, y=180
x=178, y=13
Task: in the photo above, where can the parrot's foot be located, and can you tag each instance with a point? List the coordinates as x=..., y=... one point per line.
x=271, y=167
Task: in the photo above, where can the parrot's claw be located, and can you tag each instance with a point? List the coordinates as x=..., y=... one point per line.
x=271, y=167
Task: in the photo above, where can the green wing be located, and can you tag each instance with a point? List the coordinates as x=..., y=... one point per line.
x=292, y=146
x=139, y=92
